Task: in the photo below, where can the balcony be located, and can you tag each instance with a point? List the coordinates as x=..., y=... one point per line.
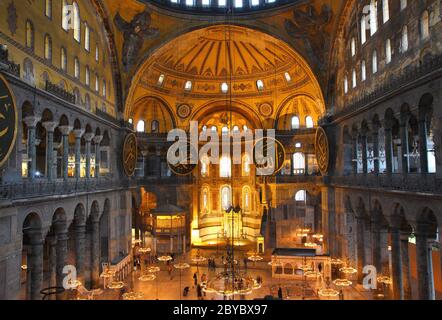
x=27, y=190
x=9, y=66
x=59, y=92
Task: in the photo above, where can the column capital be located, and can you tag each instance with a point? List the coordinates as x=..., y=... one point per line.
x=65, y=130
x=98, y=139
x=78, y=133
x=31, y=121
x=88, y=136
x=49, y=126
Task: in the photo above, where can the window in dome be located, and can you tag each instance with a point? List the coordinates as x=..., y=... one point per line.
x=140, y=126
x=222, y=3
x=224, y=88
x=238, y=3
x=77, y=22
x=87, y=76
x=309, y=123
x=48, y=8
x=288, y=78
x=345, y=85
x=190, y=2
x=48, y=48
x=363, y=29
x=295, y=123
x=188, y=86
x=214, y=129
x=97, y=52
x=300, y=196
x=87, y=37
x=235, y=129
x=161, y=80
x=260, y=84
x=225, y=131
x=97, y=83
x=245, y=128
x=373, y=17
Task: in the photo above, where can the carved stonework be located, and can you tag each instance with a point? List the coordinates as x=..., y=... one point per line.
x=12, y=18
x=130, y=154
x=322, y=151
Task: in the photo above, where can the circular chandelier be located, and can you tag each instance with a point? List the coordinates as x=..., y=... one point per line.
x=153, y=269
x=311, y=245
x=255, y=258
x=336, y=261
x=181, y=266
x=306, y=268
x=147, y=277
x=144, y=250
x=132, y=296
x=312, y=274
x=342, y=283
x=328, y=292
x=348, y=270
x=115, y=285
x=165, y=258
x=385, y=280
x=199, y=259
x=229, y=284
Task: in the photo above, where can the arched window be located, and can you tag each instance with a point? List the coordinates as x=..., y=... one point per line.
x=246, y=165
x=388, y=51
x=363, y=29
x=65, y=15
x=104, y=88
x=345, y=85
x=375, y=62
x=225, y=131
x=363, y=71
x=97, y=83
x=246, y=199
x=404, y=39
x=154, y=126
x=77, y=21
x=29, y=35
x=238, y=3
x=354, y=79
x=141, y=126
x=87, y=102
x=353, y=47
x=214, y=129
x=224, y=88
x=300, y=196
x=225, y=167
x=48, y=48
x=87, y=37
x=205, y=166
x=87, y=76
x=373, y=16
x=188, y=86
x=425, y=25
x=63, y=59
x=76, y=68
x=260, y=84
x=309, y=122
x=97, y=52
x=226, y=198
x=205, y=201
x=48, y=8
x=295, y=123
x=385, y=10
x=298, y=163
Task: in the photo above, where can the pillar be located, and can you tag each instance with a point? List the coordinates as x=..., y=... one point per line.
x=88, y=137
x=396, y=263
x=31, y=123
x=360, y=222
x=52, y=241
x=423, y=145
x=404, y=148
x=62, y=252
x=376, y=150
x=354, y=160
x=50, y=127
x=406, y=277
x=364, y=154
x=78, y=134
x=97, y=141
x=389, y=150
x=95, y=253
x=65, y=130
x=80, y=240
x=424, y=265
x=376, y=242
x=35, y=264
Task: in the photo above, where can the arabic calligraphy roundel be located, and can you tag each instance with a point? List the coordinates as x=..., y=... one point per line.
x=130, y=154
x=322, y=150
x=8, y=121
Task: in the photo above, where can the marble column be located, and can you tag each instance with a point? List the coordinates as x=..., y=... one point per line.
x=389, y=150
x=376, y=242
x=376, y=151
x=360, y=223
x=95, y=254
x=355, y=155
x=52, y=241
x=405, y=148
x=364, y=154
x=423, y=145
x=78, y=134
x=61, y=249
x=88, y=138
x=424, y=266
x=50, y=127
x=396, y=264
x=31, y=123
x=406, y=276
x=35, y=264
x=65, y=131
x=80, y=241
x=97, y=141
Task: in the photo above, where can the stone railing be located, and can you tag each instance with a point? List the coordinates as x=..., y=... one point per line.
x=157, y=181
x=8, y=65
x=423, y=183
x=107, y=117
x=59, y=92
x=408, y=75
x=27, y=190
